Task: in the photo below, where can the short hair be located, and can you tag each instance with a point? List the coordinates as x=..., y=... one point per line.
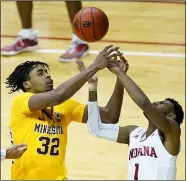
x=178, y=110
x=21, y=74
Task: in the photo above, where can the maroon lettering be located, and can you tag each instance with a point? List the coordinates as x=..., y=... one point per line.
x=144, y=151
x=153, y=153
x=135, y=153
x=140, y=152
x=131, y=154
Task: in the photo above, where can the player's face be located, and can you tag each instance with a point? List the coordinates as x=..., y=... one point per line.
x=165, y=106
x=40, y=80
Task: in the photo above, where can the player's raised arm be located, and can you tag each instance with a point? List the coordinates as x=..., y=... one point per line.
x=167, y=125
x=111, y=112
x=107, y=131
x=39, y=81
x=94, y=123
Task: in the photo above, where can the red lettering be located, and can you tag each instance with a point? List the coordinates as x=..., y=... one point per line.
x=140, y=152
x=135, y=152
x=146, y=151
x=131, y=154
x=153, y=153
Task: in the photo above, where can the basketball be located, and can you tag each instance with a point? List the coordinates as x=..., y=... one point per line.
x=90, y=24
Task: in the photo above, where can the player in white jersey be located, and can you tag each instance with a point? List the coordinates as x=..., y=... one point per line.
x=148, y=159
x=153, y=151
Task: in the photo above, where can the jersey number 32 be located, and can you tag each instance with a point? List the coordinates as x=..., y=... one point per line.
x=46, y=148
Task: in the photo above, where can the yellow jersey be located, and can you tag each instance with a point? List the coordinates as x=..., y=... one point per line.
x=45, y=133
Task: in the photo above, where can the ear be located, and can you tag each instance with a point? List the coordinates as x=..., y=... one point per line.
x=27, y=85
x=172, y=115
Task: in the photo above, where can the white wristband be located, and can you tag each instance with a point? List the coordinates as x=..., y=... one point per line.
x=3, y=154
x=92, y=87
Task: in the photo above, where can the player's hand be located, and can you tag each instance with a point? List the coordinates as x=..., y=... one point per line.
x=15, y=151
x=81, y=66
x=117, y=66
x=106, y=55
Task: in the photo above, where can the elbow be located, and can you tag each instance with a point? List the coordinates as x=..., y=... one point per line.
x=116, y=120
x=92, y=131
x=111, y=120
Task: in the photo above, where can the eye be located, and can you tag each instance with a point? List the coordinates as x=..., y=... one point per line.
x=156, y=103
x=40, y=74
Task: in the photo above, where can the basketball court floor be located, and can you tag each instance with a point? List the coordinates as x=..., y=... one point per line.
x=152, y=37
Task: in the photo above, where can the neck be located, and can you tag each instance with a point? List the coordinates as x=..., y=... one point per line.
x=31, y=91
x=151, y=128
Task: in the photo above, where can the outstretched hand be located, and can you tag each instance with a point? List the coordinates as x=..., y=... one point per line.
x=15, y=151
x=116, y=66
x=105, y=56
x=81, y=66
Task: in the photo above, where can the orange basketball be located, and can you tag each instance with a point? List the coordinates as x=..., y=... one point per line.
x=90, y=24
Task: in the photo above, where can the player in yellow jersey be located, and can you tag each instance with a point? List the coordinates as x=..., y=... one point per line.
x=40, y=116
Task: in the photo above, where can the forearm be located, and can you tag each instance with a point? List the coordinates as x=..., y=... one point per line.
x=115, y=103
x=71, y=86
x=136, y=94
x=94, y=124
x=97, y=128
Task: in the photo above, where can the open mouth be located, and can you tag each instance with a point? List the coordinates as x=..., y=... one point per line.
x=50, y=82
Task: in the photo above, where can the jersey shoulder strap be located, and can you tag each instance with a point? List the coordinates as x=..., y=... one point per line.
x=137, y=133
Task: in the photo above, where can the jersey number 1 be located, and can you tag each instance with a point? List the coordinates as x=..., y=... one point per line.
x=136, y=172
x=46, y=141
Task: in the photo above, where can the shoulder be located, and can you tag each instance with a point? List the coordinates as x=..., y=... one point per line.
x=20, y=108
x=21, y=97
x=21, y=101
x=71, y=104
x=71, y=101
x=137, y=132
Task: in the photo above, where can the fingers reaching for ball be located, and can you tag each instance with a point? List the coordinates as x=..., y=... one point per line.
x=80, y=65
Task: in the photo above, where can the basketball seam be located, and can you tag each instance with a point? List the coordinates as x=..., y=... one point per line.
x=81, y=26
x=93, y=24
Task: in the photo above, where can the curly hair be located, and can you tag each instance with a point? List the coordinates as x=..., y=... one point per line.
x=21, y=74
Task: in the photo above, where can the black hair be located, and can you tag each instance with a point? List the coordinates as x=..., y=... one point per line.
x=21, y=74
x=178, y=110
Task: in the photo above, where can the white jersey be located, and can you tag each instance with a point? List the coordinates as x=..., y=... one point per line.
x=148, y=159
